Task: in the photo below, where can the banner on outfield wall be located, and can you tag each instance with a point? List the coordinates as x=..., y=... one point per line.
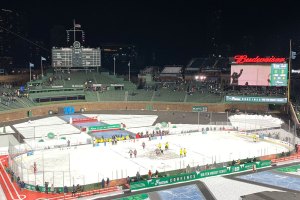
x=104, y=127
x=197, y=175
x=269, y=100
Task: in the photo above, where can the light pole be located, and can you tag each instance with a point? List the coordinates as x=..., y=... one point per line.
x=42, y=58
x=114, y=65
x=129, y=71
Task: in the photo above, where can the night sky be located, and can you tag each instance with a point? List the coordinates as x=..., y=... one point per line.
x=175, y=30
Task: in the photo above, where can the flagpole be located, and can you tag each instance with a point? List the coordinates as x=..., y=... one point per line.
x=74, y=30
x=29, y=72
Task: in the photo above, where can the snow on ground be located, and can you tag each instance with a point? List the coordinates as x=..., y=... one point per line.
x=8, y=129
x=41, y=127
x=88, y=163
x=223, y=188
x=247, y=122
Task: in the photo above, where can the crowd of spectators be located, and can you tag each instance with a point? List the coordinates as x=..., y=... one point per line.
x=10, y=94
x=255, y=91
x=154, y=133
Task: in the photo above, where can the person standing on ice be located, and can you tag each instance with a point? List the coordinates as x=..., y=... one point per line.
x=130, y=153
x=34, y=167
x=159, y=146
x=135, y=153
x=143, y=144
x=166, y=146
x=180, y=152
x=184, y=152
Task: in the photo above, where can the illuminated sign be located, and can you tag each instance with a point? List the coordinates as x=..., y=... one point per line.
x=250, y=99
x=240, y=59
x=279, y=74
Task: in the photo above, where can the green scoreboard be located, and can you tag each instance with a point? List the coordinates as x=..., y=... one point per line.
x=279, y=74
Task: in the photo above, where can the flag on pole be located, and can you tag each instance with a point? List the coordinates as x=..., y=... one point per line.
x=43, y=58
x=31, y=65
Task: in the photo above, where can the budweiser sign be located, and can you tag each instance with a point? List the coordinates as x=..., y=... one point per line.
x=240, y=59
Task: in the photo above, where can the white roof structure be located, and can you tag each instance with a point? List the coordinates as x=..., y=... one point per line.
x=171, y=71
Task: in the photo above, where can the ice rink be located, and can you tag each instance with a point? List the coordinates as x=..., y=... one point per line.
x=87, y=164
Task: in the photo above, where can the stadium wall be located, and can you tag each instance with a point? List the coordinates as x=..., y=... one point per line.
x=155, y=106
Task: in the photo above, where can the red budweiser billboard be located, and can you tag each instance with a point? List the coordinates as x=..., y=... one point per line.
x=241, y=59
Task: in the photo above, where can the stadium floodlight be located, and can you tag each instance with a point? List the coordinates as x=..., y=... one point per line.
x=202, y=78
x=293, y=55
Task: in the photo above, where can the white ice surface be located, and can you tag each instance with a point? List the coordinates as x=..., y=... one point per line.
x=90, y=164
